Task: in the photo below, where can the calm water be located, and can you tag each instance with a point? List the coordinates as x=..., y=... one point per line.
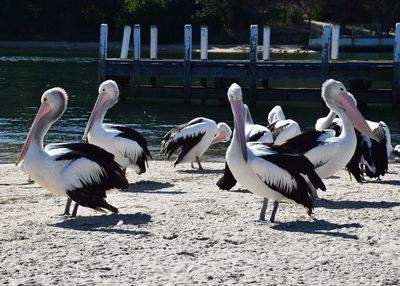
x=25, y=75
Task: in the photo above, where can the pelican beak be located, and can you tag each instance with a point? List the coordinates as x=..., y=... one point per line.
x=220, y=137
x=43, y=111
x=98, y=107
x=347, y=102
x=239, y=122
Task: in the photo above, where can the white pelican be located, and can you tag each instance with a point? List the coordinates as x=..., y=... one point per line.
x=81, y=171
x=193, y=139
x=396, y=151
x=371, y=154
x=326, y=151
x=256, y=132
x=127, y=145
x=282, y=129
x=270, y=172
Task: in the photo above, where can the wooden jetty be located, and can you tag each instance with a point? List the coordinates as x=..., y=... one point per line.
x=132, y=73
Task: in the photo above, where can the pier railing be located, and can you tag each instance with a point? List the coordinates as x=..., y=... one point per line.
x=359, y=75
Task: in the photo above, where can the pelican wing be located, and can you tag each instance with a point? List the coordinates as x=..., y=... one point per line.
x=90, y=171
x=133, y=135
x=286, y=172
x=184, y=137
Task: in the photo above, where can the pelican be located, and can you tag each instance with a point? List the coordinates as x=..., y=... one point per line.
x=270, y=172
x=371, y=154
x=256, y=132
x=81, y=171
x=396, y=151
x=282, y=129
x=193, y=139
x=326, y=151
x=127, y=145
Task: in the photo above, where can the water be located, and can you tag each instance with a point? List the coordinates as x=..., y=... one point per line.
x=25, y=75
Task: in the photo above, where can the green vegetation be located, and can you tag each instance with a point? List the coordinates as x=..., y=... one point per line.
x=228, y=20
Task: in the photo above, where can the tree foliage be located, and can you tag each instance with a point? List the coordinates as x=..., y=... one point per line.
x=228, y=20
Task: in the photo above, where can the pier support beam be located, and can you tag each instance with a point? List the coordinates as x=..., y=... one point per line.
x=125, y=42
x=253, y=64
x=325, y=52
x=187, y=74
x=203, y=50
x=136, y=60
x=335, y=42
x=153, y=50
x=396, y=69
x=103, y=52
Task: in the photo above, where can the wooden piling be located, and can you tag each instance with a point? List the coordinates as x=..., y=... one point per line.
x=335, y=42
x=125, y=42
x=203, y=50
x=266, y=42
x=187, y=62
x=136, y=60
x=396, y=69
x=153, y=42
x=103, y=52
x=253, y=64
x=326, y=44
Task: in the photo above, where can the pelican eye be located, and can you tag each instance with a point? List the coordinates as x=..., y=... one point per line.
x=104, y=89
x=45, y=99
x=341, y=88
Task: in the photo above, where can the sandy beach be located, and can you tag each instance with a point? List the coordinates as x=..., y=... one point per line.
x=175, y=227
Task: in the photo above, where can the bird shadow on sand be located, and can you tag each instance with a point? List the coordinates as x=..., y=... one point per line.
x=107, y=223
x=152, y=187
x=318, y=227
x=344, y=204
x=200, y=172
x=240, y=190
x=384, y=182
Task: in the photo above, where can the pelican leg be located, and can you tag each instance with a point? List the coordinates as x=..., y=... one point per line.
x=314, y=194
x=272, y=218
x=75, y=210
x=198, y=162
x=30, y=181
x=263, y=209
x=122, y=190
x=67, y=206
x=192, y=165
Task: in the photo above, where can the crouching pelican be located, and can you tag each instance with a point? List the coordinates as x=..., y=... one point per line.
x=193, y=139
x=81, y=171
x=270, y=172
x=370, y=154
x=127, y=145
x=282, y=129
x=327, y=152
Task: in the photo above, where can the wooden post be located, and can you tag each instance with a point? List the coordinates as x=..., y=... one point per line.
x=203, y=50
x=186, y=62
x=396, y=68
x=125, y=42
x=136, y=60
x=103, y=52
x=153, y=42
x=266, y=46
x=326, y=41
x=266, y=42
x=335, y=42
x=253, y=64
x=153, y=50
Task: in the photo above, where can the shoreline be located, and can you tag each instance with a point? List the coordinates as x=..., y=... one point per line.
x=176, y=227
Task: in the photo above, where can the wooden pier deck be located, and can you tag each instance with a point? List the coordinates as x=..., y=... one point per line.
x=208, y=79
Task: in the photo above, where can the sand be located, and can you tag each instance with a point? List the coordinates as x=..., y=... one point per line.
x=175, y=227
